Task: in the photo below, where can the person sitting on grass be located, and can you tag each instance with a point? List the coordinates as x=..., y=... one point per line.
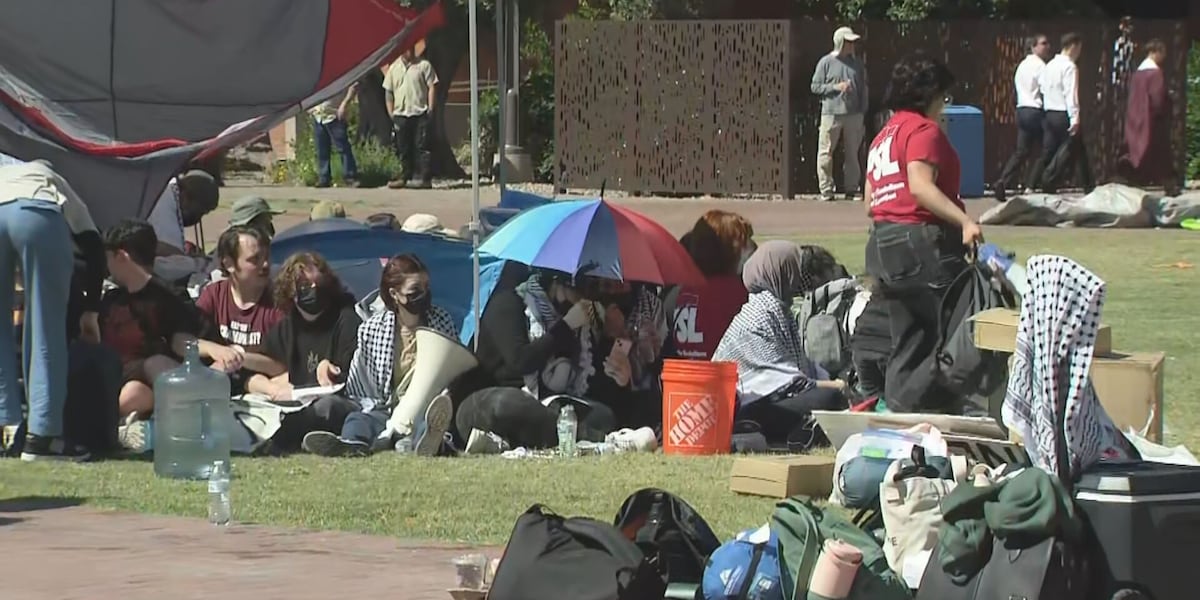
x=778, y=386
x=239, y=309
x=144, y=320
x=382, y=366
x=311, y=346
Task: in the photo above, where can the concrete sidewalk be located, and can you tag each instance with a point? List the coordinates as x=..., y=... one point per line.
x=54, y=551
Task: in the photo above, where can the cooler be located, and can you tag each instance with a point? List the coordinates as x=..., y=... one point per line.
x=1146, y=519
x=964, y=126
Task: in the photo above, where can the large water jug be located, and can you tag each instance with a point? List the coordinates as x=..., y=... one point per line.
x=192, y=417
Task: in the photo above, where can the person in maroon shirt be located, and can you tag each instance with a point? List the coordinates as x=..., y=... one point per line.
x=238, y=310
x=720, y=242
x=921, y=231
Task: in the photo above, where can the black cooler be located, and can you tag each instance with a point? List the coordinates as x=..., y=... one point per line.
x=1146, y=519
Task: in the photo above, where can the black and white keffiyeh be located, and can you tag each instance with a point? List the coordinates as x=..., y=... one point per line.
x=370, y=379
x=764, y=341
x=560, y=376
x=1056, y=338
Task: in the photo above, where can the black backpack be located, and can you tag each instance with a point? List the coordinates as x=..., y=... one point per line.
x=683, y=539
x=549, y=557
x=973, y=375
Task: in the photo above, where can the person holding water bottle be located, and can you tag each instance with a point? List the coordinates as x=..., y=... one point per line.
x=921, y=233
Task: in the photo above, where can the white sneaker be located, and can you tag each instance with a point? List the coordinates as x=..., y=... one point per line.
x=429, y=435
x=633, y=440
x=134, y=434
x=485, y=442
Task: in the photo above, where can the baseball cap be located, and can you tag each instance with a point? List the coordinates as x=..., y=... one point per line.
x=327, y=209
x=426, y=223
x=844, y=34
x=248, y=208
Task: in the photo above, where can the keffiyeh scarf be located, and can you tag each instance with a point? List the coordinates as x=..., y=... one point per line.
x=1056, y=338
x=560, y=376
x=765, y=343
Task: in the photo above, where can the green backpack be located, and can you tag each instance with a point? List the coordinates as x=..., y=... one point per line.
x=802, y=530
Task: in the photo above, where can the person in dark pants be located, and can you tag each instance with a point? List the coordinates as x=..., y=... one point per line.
x=329, y=130
x=921, y=230
x=1029, y=114
x=374, y=121
x=1062, y=143
x=411, y=88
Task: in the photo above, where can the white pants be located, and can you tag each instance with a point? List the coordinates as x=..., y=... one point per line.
x=848, y=129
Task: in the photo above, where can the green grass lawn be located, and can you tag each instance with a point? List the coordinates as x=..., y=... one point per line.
x=1150, y=306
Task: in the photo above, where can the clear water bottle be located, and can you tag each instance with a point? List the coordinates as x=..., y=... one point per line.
x=192, y=419
x=568, y=430
x=218, y=493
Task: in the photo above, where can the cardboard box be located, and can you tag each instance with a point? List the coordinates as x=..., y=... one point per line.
x=996, y=329
x=783, y=476
x=1130, y=386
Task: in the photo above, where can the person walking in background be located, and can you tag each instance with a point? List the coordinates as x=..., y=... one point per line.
x=1148, y=157
x=840, y=80
x=1029, y=114
x=329, y=130
x=1122, y=53
x=411, y=87
x=1062, y=140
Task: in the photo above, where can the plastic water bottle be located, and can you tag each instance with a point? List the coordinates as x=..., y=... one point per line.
x=218, y=494
x=568, y=430
x=192, y=418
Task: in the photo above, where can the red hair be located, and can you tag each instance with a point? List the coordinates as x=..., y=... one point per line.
x=716, y=241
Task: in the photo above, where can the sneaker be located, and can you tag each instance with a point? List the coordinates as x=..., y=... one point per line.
x=424, y=185
x=485, y=442
x=40, y=448
x=134, y=435
x=633, y=440
x=853, y=195
x=323, y=443
x=323, y=184
x=351, y=182
x=827, y=198
x=428, y=437
x=397, y=184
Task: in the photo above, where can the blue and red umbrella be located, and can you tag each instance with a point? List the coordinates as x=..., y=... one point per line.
x=594, y=238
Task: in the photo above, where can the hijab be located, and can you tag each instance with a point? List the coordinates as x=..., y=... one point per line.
x=786, y=270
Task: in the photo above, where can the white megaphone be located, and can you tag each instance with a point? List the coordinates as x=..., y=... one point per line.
x=440, y=360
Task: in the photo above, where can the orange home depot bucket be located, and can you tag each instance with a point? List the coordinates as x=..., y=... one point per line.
x=698, y=403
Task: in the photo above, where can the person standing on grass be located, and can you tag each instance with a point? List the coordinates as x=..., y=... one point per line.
x=329, y=130
x=921, y=231
x=411, y=87
x=1148, y=156
x=840, y=80
x=1063, y=147
x=1029, y=113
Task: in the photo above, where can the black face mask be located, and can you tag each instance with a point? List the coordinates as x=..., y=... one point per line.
x=311, y=301
x=419, y=302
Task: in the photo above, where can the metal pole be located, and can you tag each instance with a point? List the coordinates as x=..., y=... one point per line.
x=502, y=80
x=474, y=35
x=515, y=74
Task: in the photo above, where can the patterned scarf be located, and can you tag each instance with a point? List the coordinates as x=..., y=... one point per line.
x=560, y=376
x=1055, y=342
x=764, y=341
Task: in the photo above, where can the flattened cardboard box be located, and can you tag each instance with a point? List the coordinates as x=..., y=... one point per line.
x=783, y=476
x=996, y=329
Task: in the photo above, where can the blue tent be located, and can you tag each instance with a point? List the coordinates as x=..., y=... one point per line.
x=357, y=254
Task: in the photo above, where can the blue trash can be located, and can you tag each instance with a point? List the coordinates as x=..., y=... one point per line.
x=964, y=126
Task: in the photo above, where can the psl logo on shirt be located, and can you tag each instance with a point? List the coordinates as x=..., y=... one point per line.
x=686, y=325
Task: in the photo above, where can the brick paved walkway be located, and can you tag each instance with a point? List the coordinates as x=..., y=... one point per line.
x=77, y=553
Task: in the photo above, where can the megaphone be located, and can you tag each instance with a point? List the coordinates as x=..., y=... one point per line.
x=440, y=360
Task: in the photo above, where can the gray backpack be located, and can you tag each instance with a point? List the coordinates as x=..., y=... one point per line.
x=825, y=327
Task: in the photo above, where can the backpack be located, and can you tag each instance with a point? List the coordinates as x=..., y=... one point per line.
x=972, y=374
x=744, y=568
x=802, y=530
x=683, y=539
x=549, y=557
x=825, y=324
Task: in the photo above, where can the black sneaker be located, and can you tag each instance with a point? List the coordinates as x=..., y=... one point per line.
x=41, y=448
x=323, y=443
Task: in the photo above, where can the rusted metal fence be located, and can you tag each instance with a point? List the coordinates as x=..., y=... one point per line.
x=724, y=107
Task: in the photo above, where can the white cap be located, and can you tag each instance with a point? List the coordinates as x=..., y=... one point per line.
x=426, y=223
x=845, y=34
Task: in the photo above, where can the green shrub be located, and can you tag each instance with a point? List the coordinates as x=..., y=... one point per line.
x=376, y=164
x=1193, y=112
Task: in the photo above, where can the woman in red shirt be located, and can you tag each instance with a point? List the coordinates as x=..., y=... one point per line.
x=921, y=231
x=719, y=243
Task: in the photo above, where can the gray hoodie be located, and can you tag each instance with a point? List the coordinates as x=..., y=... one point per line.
x=831, y=70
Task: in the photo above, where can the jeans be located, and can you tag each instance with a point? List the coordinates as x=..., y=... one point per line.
x=1061, y=152
x=849, y=130
x=327, y=413
x=34, y=236
x=915, y=265
x=365, y=426
x=327, y=135
x=414, y=147
x=1030, y=131
x=522, y=420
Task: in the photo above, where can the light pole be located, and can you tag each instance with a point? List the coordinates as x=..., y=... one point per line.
x=474, y=46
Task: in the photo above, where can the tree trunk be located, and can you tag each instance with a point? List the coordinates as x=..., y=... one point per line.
x=445, y=49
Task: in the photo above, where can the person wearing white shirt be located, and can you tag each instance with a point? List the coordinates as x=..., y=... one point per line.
x=1062, y=144
x=1029, y=113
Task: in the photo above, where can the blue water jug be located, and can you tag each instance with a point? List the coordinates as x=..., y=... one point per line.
x=192, y=418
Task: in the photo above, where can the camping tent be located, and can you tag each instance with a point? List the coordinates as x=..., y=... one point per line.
x=121, y=94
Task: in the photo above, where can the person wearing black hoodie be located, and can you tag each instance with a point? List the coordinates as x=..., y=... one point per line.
x=313, y=345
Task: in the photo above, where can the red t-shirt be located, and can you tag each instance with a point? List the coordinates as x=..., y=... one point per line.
x=247, y=328
x=703, y=314
x=908, y=137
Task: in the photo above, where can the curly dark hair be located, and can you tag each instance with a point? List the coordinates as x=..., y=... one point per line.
x=917, y=81
x=293, y=273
